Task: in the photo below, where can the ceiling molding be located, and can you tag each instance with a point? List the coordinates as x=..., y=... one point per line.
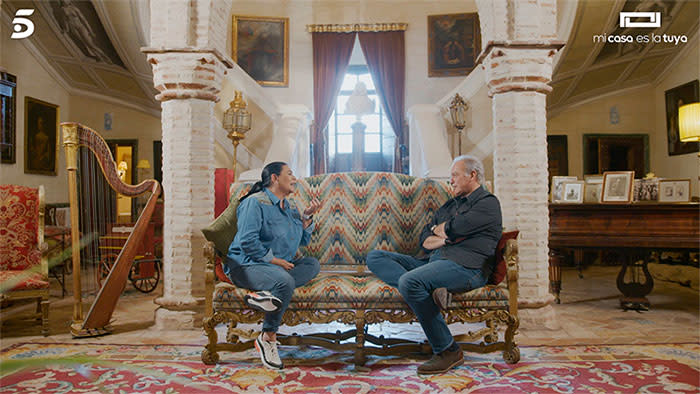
x=32, y=48
x=692, y=43
x=113, y=37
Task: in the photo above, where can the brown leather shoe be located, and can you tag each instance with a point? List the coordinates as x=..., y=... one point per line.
x=442, y=297
x=443, y=362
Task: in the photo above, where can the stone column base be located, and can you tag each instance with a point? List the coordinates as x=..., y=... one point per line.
x=539, y=317
x=179, y=316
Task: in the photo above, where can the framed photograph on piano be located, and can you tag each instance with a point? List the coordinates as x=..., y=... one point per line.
x=674, y=190
x=617, y=187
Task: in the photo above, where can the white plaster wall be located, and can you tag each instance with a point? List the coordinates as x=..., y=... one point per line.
x=126, y=124
x=636, y=116
x=420, y=89
x=33, y=81
x=681, y=166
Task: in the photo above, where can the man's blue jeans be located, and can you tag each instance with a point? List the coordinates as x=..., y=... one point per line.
x=275, y=279
x=416, y=279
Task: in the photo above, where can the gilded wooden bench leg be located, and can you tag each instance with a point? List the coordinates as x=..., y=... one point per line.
x=511, y=353
x=360, y=357
x=231, y=336
x=209, y=354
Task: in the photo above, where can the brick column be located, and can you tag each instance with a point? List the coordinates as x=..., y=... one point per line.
x=518, y=62
x=187, y=39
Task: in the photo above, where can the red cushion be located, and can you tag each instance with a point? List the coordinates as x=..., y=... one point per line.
x=499, y=273
x=22, y=280
x=220, y=271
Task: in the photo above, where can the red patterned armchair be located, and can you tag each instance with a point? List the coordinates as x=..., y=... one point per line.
x=24, y=271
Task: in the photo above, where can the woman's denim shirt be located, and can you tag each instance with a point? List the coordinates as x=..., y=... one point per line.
x=265, y=230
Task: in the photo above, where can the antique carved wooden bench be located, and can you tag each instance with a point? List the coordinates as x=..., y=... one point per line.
x=361, y=212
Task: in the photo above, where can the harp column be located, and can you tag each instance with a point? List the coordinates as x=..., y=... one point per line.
x=518, y=60
x=188, y=39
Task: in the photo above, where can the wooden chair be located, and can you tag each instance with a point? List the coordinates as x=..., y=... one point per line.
x=24, y=271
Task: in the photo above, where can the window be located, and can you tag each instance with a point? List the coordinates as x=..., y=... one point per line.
x=368, y=148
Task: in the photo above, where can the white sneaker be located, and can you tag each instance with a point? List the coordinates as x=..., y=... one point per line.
x=263, y=301
x=268, y=353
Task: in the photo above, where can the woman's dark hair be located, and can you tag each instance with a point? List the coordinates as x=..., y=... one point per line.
x=273, y=168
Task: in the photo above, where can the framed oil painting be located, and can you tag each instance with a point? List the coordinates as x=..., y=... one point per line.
x=617, y=187
x=454, y=44
x=40, y=137
x=261, y=48
x=676, y=97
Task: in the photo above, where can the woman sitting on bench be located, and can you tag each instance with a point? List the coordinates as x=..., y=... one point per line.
x=260, y=258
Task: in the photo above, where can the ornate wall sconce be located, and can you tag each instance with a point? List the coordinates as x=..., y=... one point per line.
x=458, y=108
x=236, y=122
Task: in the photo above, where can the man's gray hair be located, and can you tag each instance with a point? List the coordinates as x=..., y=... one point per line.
x=472, y=164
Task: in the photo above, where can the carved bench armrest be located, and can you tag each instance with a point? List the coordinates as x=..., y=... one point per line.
x=210, y=256
x=511, y=257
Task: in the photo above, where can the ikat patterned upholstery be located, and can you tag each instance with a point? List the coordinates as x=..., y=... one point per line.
x=362, y=211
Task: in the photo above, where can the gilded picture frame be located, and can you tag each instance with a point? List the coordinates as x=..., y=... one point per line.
x=454, y=44
x=40, y=137
x=572, y=192
x=261, y=48
x=674, y=190
x=617, y=187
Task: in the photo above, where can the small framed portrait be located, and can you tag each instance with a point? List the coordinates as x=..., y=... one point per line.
x=40, y=137
x=557, y=190
x=261, y=48
x=454, y=44
x=617, y=187
x=674, y=190
x=572, y=192
x=646, y=189
x=592, y=192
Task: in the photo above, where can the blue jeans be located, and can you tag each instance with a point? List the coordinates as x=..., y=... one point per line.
x=416, y=279
x=275, y=279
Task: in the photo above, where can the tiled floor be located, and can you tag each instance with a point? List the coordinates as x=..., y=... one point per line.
x=589, y=314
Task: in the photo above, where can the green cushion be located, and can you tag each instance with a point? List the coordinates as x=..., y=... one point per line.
x=223, y=229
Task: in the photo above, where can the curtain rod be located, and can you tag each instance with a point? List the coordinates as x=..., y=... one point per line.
x=356, y=27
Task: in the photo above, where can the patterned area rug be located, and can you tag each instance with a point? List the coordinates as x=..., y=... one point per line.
x=83, y=367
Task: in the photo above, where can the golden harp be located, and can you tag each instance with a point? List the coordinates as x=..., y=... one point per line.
x=75, y=136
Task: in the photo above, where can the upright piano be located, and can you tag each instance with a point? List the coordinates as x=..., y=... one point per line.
x=633, y=229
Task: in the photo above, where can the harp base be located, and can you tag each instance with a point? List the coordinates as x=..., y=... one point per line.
x=78, y=331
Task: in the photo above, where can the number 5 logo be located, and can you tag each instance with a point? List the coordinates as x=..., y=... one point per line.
x=18, y=22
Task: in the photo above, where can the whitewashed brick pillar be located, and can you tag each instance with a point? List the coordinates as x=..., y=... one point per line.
x=187, y=40
x=519, y=41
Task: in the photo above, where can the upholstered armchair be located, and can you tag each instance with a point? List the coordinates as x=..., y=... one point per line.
x=24, y=271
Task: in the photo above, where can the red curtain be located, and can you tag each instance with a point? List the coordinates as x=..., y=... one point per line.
x=386, y=59
x=331, y=53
